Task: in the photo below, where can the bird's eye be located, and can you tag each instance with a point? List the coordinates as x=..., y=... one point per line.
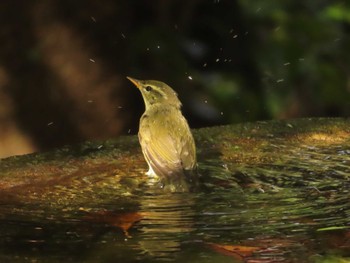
x=148, y=88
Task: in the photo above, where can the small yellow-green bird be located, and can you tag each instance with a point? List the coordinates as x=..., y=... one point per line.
x=165, y=137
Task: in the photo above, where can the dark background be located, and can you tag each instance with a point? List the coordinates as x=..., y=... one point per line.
x=63, y=64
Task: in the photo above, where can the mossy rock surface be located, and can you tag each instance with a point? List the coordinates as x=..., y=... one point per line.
x=287, y=152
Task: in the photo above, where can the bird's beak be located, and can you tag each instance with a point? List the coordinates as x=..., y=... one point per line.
x=136, y=82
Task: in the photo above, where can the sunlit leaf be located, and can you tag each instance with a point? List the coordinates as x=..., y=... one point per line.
x=236, y=251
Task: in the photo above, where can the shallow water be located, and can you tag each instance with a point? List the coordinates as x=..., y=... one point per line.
x=294, y=208
x=190, y=227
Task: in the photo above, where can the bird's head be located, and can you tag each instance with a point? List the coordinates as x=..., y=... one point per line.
x=156, y=93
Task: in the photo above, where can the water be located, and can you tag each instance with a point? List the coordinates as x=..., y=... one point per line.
x=289, y=204
x=286, y=226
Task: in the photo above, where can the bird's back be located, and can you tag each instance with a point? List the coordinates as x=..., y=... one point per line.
x=168, y=147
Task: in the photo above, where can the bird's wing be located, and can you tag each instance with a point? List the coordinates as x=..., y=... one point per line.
x=161, y=147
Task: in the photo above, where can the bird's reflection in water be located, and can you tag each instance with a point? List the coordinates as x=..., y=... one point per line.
x=167, y=220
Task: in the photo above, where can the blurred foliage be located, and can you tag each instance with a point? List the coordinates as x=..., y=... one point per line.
x=230, y=61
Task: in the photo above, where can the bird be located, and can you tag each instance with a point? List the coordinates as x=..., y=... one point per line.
x=165, y=137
